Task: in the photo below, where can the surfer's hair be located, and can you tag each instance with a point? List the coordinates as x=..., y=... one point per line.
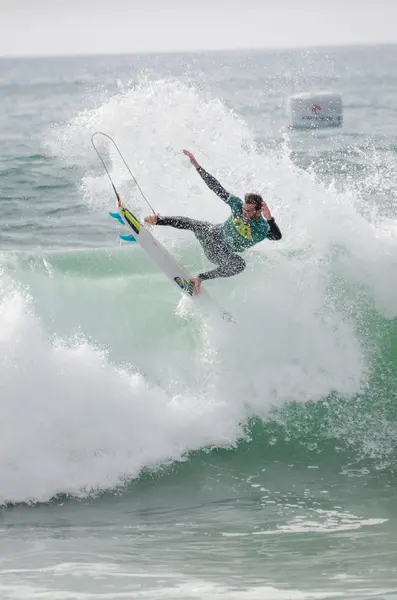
x=255, y=199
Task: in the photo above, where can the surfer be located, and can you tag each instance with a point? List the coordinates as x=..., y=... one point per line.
x=250, y=222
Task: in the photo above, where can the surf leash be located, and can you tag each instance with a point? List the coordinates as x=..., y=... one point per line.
x=126, y=165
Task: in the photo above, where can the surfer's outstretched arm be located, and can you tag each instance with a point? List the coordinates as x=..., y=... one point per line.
x=211, y=182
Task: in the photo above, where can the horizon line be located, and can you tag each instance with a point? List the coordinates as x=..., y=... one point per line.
x=272, y=49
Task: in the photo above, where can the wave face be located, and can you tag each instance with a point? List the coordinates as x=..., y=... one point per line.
x=102, y=375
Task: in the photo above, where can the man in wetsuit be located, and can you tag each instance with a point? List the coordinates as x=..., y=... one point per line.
x=250, y=223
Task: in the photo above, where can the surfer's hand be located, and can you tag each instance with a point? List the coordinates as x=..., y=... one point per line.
x=191, y=158
x=266, y=211
x=152, y=219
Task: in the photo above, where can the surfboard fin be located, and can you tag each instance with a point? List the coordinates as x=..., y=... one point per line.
x=127, y=238
x=117, y=216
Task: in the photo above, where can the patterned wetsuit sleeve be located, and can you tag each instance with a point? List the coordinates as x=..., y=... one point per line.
x=274, y=231
x=213, y=184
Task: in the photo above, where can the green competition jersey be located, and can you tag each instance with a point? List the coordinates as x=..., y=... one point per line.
x=238, y=234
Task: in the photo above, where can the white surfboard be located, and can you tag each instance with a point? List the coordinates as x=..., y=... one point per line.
x=166, y=262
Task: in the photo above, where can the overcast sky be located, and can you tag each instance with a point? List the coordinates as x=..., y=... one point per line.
x=53, y=27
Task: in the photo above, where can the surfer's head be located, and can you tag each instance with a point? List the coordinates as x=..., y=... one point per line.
x=252, y=206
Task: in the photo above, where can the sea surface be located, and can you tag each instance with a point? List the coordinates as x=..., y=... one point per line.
x=149, y=451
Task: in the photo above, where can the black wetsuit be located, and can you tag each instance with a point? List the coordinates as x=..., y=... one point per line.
x=212, y=237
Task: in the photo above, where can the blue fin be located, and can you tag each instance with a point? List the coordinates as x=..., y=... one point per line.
x=128, y=238
x=117, y=216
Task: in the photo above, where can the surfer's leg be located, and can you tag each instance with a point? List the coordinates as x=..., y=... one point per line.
x=215, y=247
x=234, y=265
x=217, y=251
x=199, y=228
x=213, y=244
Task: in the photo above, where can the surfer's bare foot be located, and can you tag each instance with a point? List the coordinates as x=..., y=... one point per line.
x=197, y=284
x=152, y=219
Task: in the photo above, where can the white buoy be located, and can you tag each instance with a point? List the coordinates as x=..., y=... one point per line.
x=315, y=110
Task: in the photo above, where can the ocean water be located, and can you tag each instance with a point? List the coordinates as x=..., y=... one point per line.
x=145, y=450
